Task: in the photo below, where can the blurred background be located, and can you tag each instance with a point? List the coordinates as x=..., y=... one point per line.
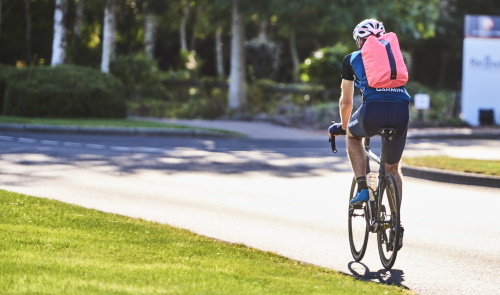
x=276, y=60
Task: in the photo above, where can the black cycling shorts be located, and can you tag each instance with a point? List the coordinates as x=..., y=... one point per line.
x=371, y=116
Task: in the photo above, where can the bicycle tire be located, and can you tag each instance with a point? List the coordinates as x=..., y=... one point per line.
x=388, y=225
x=358, y=226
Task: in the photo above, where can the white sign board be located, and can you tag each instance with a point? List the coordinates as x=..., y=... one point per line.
x=422, y=101
x=481, y=68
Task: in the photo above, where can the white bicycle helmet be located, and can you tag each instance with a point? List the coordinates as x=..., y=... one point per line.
x=368, y=27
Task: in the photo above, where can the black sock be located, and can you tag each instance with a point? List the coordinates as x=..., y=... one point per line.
x=361, y=183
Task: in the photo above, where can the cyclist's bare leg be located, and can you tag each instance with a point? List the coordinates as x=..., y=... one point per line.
x=356, y=153
x=395, y=171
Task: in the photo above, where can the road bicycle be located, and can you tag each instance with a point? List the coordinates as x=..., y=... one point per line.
x=380, y=215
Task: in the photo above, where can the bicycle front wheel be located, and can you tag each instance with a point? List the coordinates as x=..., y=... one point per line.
x=388, y=222
x=358, y=226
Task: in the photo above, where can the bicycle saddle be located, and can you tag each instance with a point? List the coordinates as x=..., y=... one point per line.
x=387, y=133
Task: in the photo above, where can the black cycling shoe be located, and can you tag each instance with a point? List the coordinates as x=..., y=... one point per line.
x=401, y=234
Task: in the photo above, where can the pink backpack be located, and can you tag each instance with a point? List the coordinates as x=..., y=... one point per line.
x=383, y=62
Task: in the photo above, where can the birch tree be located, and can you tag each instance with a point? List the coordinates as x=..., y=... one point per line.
x=219, y=55
x=109, y=32
x=150, y=33
x=237, y=81
x=59, y=40
x=182, y=28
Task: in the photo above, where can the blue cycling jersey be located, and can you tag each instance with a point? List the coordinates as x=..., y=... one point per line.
x=353, y=69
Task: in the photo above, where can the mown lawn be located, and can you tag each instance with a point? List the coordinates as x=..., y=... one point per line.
x=49, y=247
x=126, y=123
x=486, y=167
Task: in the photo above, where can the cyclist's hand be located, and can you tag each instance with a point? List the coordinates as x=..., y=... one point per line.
x=336, y=129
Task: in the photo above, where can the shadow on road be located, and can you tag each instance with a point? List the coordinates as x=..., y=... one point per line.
x=390, y=277
x=125, y=155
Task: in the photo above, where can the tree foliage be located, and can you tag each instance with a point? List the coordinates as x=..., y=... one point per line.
x=424, y=27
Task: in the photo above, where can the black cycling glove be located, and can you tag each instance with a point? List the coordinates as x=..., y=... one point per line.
x=336, y=129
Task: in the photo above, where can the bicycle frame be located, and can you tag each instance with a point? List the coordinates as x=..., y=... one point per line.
x=382, y=172
x=380, y=213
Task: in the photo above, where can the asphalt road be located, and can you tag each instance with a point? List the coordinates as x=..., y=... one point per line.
x=284, y=196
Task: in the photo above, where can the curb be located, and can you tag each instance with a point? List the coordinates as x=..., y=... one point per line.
x=451, y=176
x=112, y=130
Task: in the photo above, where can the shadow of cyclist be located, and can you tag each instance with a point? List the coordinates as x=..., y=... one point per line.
x=390, y=277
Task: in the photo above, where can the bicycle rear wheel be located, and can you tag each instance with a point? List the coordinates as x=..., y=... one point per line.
x=388, y=222
x=358, y=226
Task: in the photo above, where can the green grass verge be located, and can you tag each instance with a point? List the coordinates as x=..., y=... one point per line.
x=107, y=123
x=49, y=247
x=486, y=167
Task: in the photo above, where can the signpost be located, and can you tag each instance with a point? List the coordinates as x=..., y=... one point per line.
x=481, y=69
x=422, y=101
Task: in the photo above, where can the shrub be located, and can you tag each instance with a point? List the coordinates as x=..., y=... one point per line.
x=139, y=74
x=441, y=105
x=5, y=73
x=318, y=115
x=64, y=91
x=265, y=95
x=205, y=98
x=325, y=65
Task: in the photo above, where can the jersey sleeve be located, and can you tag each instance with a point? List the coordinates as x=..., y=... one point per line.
x=347, y=71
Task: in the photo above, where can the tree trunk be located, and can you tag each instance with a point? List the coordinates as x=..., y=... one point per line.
x=150, y=34
x=1, y=17
x=219, y=56
x=197, y=13
x=262, y=37
x=295, y=56
x=108, y=35
x=59, y=41
x=237, y=83
x=77, y=29
x=27, y=16
x=182, y=29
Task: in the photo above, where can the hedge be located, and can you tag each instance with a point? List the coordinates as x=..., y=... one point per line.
x=64, y=91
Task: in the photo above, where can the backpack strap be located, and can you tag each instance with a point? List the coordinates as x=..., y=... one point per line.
x=392, y=61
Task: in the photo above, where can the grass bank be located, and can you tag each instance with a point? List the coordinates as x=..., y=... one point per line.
x=486, y=167
x=49, y=247
x=126, y=123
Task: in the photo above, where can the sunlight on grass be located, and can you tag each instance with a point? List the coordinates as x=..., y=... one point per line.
x=487, y=167
x=50, y=247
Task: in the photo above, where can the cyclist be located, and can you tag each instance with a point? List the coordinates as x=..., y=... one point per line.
x=381, y=108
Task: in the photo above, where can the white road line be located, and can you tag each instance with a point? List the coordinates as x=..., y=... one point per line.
x=86, y=145
x=72, y=144
x=26, y=140
x=49, y=142
x=95, y=146
x=120, y=148
x=148, y=150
